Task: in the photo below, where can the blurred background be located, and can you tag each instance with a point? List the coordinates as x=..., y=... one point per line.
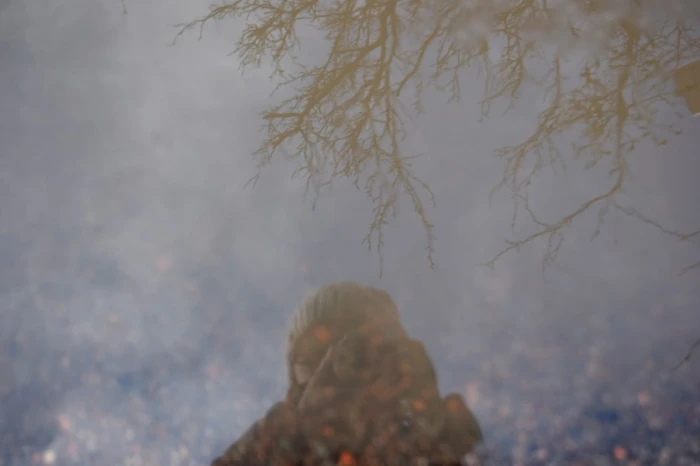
x=144, y=292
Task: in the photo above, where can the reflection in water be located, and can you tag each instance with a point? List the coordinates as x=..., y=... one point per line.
x=360, y=391
x=688, y=85
x=345, y=119
x=569, y=393
x=143, y=296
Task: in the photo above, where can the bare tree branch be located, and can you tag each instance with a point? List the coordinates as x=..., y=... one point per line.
x=344, y=117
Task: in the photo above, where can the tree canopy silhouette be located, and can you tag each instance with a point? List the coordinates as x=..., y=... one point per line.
x=345, y=118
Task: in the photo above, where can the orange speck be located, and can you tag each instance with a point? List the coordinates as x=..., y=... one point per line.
x=380, y=391
x=328, y=431
x=454, y=405
x=643, y=398
x=322, y=334
x=346, y=459
x=376, y=340
x=620, y=453
x=64, y=423
x=164, y=263
x=418, y=405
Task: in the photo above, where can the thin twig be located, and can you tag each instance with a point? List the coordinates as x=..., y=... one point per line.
x=688, y=355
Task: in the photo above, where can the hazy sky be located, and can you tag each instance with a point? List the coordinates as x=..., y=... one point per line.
x=123, y=151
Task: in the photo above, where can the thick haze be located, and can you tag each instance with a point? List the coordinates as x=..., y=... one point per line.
x=136, y=270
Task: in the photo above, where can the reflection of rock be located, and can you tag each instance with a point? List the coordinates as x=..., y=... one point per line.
x=360, y=388
x=327, y=315
x=388, y=379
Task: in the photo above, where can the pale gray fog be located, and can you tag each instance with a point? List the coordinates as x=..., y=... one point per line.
x=144, y=292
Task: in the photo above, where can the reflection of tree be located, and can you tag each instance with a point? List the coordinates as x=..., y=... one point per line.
x=344, y=118
x=688, y=355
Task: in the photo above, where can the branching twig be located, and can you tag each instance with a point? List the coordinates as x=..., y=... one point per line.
x=344, y=120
